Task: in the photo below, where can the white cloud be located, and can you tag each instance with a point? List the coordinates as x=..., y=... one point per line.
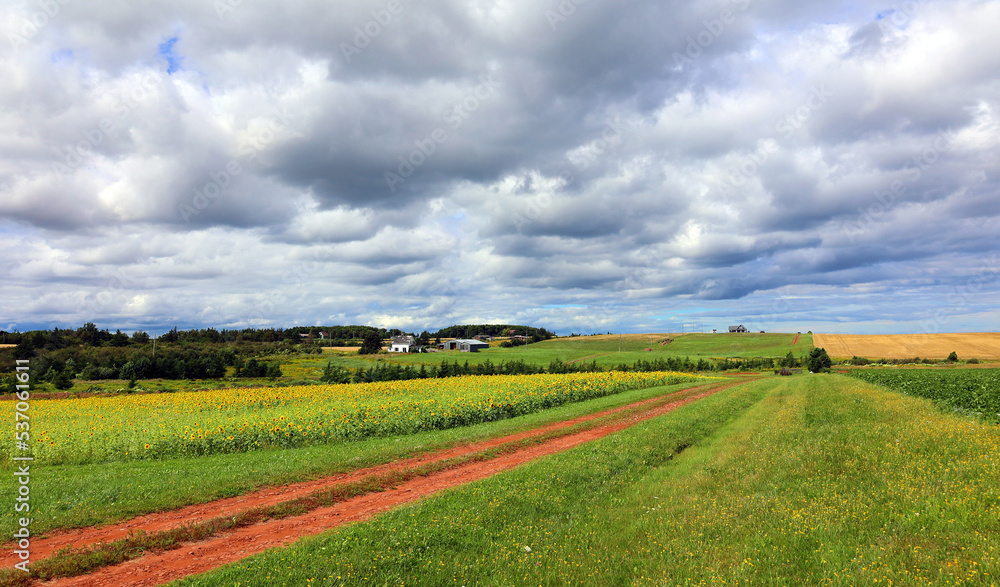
x=578, y=176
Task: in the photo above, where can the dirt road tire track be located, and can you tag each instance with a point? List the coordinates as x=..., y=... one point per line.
x=165, y=520
x=193, y=558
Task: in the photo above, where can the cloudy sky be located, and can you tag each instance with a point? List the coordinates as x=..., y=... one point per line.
x=583, y=165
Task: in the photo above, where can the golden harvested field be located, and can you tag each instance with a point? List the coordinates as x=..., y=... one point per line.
x=968, y=345
x=342, y=349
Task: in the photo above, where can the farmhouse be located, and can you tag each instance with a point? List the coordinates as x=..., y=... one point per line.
x=739, y=328
x=465, y=345
x=404, y=344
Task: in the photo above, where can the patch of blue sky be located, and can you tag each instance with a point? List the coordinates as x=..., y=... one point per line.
x=167, y=51
x=63, y=55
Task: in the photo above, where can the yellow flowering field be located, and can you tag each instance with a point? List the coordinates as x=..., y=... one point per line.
x=238, y=420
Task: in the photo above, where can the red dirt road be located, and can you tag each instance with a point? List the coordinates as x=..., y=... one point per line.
x=193, y=558
x=166, y=520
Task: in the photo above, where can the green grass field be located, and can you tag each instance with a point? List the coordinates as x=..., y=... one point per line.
x=604, y=350
x=67, y=496
x=802, y=480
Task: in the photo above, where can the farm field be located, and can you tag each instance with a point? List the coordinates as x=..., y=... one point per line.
x=784, y=481
x=602, y=349
x=560, y=426
x=151, y=426
x=699, y=482
x=984, y=346
x=118, y=485
x=975, y=391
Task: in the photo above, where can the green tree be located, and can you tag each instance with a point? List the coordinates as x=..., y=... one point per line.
x=953, y=357
x=119, y=339
x=273, y=370
x=63, y=380
x=335, y=374
x=819, y=361
x=371, y=344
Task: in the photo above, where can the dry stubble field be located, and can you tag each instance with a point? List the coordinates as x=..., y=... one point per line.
x=980, y=345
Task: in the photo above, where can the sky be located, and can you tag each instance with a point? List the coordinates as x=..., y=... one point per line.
x=580, y=165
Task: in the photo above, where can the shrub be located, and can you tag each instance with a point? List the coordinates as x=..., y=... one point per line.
x=819, y=361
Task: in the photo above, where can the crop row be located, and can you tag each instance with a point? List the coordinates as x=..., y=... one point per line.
x=238, y=420
x=973, y=390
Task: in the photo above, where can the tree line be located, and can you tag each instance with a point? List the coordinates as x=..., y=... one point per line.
x=394, y=372
x=186, y=362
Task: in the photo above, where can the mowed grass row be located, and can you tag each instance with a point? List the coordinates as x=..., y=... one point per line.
x=70, y=496
x=976, y=391
x=152, y=426
x=787, y=481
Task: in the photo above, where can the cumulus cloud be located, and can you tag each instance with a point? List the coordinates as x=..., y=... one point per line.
x=589, y=167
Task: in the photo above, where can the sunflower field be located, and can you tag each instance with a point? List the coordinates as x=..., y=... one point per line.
x=151, y=426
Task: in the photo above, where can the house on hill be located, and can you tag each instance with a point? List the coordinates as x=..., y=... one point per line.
x=739, y=328
x=404, y=344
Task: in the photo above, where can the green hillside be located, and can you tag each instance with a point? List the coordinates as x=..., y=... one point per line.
x=612, y=350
